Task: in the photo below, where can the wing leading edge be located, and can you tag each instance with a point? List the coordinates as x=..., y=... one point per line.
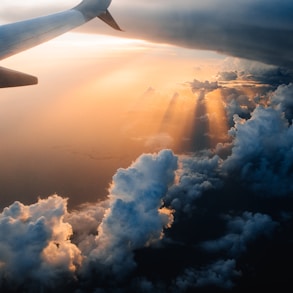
x=19, y=36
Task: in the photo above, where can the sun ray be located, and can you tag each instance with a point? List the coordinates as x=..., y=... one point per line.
x=218, y=125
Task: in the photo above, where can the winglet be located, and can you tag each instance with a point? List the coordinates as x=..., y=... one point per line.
x=107, y=18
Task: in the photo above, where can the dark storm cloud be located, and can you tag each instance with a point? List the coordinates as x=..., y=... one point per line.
x=257, y=30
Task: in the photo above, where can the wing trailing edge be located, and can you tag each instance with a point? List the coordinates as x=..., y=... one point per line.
x=13, y=78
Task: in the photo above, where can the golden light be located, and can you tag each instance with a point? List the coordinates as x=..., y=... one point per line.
x=218, y=124
x=101, y=101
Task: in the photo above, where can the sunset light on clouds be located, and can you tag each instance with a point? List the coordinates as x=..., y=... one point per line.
x=156, y=159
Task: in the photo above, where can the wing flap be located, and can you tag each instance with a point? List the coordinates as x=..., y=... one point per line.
x=13, y=78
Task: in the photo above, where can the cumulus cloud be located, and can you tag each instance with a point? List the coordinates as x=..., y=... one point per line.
x=261, y=153
x=202, y=88
x=216, y=275
x=227, y=75
x=34, y=244
x=196, y=175
x=241, y=231
x=44, y=246
x=136, y=217
x=282, y=100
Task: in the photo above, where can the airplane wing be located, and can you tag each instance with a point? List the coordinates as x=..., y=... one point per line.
x=19, y=36
x=13, y=78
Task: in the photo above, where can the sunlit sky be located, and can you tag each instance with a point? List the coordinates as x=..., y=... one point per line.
x=100, y=103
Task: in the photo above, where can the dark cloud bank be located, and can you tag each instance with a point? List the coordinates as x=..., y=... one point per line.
x=256, y=30
x=217, y=219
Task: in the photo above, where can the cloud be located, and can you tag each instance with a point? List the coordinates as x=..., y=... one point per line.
x=45, y=246
x=245, y=70
x=203, y=87
x=282, y=100
x=159, y=141
x=261, y=154
x=196, y=175
x=227, y=75
x=34, y=244
x=255, y=30
x=241, y=231
x=135, y=217
x=216, y=275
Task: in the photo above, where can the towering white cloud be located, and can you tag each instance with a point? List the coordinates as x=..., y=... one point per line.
x=261, y=153
x=136, y=216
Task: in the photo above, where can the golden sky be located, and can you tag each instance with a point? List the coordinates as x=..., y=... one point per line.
x=101, y=101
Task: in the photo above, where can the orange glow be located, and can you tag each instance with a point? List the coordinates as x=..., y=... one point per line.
x=218, y=125
x=99, y=104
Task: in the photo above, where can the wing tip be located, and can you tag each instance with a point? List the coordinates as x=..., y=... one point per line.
x=108, y=19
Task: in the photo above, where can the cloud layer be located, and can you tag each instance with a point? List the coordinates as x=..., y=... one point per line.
x=256, y=30
x=211, y=219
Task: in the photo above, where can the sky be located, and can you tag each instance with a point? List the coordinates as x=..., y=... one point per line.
x=157, y=159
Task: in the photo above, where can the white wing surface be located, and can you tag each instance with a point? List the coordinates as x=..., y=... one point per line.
x=19, y=36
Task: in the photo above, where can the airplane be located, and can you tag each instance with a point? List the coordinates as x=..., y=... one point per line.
x=22, y=35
